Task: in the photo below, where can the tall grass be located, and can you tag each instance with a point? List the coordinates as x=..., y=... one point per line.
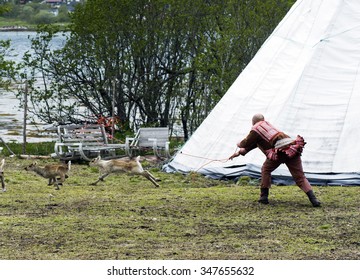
x=41, y=148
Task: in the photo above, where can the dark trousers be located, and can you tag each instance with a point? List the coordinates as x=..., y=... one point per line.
x=293, y=164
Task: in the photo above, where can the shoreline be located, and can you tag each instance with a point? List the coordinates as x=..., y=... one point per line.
x=14, y=28
x=23, y=28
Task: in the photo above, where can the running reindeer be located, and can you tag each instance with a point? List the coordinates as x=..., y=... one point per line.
x=51, y=172
x=2, y=164
x=132, y=166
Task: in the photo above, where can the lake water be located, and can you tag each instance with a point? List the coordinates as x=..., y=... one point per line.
x=11, y=115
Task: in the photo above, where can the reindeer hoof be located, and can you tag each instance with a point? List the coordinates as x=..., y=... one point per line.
x=4, y=189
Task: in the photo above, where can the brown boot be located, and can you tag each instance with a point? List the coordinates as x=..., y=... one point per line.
x=264, y=193
x=313, y=199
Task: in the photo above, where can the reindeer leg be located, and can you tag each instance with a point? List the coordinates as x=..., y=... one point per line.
x=3, y=183
x=152, y=176
x=62, y=179
x=101, y=178
x=148, y=176
x=51, y=181
x=56, y=184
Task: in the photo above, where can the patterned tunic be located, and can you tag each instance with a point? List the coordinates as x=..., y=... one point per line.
x=264, y=136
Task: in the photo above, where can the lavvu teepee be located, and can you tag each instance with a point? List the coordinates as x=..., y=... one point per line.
x=305, y=79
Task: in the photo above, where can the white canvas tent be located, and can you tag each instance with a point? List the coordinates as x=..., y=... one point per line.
x=305, y=79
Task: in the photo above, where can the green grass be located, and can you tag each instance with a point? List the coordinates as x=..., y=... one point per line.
x=41, y=148
x=188, y=217
x=12, y=22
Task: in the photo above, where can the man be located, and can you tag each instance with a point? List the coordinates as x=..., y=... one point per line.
x=279, y=148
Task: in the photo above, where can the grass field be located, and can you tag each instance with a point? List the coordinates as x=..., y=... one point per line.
x=187, y=218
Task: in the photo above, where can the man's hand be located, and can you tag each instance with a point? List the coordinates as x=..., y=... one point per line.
x=242, y=152
x=234, y=155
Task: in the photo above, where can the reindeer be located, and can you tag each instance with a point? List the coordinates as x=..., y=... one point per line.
x=132, y=166
x=51, y=172
x=2, y=175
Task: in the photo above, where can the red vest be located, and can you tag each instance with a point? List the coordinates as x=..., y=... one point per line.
x=265, y=130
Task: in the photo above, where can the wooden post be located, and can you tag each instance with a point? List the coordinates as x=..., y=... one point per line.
x=113, y=111
x=25, y=117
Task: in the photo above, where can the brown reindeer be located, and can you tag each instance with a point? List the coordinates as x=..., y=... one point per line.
x=51, y=172
x=132, y=166
x=2, y=175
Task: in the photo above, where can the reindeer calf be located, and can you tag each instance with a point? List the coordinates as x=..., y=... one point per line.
x=132, y=166
x=51, y=172
x=2, y=175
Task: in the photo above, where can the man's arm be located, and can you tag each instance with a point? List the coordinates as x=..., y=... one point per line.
x=249, y=142
x=246, y=145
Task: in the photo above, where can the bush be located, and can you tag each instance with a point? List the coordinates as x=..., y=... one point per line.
x=43, y=17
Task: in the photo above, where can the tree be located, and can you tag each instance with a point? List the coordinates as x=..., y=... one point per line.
x=49, y=102
x=231, y=33
x=4, y=7
x=8, y=68
x=63, y=15
x=149, y=62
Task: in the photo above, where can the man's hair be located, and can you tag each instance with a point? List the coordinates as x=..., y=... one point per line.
x=257, y=118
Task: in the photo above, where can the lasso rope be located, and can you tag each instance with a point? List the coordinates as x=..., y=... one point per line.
x=210, y=160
